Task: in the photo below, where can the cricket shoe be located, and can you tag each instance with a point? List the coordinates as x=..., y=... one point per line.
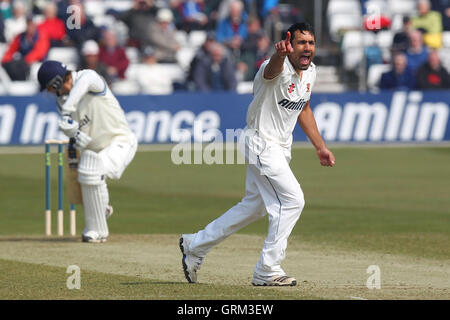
x=278, y=281
x=109, y=211
x=92, y=237
x=190, y=262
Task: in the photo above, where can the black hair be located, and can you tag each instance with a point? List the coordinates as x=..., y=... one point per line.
x=302, y=27
x=66, y=75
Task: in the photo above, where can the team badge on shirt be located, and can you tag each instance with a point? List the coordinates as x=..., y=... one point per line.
x=291, y=87
x=308, y=86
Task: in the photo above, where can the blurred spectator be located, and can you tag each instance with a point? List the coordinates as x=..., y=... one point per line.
x=2, y=29
x=429, y=21
x=64, y=12
x=211, y=10
x=37, y=7
x=149, y=74
x=27, y=48
x=223, y=9
x=232, y=30
x=6, y=9
x=417, y=53
x=202, y=54
x=90, y=59
x=62, y=8
x=86, y=31
x=253, y=32
x=400, y=77
x=190, y=15
x=260, y=8
x=215, y=72
x=113, y=56
x=269, y=16
x=443, y=6
x=251, y=60
x=138, y=20
x=285, y=15
x=401, y=38
x=17, y=23
x=53, y=26
x=162, y=37
x=373, y=55
x=432, y=75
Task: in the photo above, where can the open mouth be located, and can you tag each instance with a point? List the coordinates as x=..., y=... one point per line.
x=305, y=59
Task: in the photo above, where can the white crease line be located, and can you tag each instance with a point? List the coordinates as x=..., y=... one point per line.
x=358, y=298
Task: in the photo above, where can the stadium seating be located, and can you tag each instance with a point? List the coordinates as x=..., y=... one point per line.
x=444, y=54
x=343, y=22
x=345, y=30
x=373, y=6
x=343, y=15
x=95, y=8
x=196, y=38
x=68, y=56
x=384, y=40
x=353, y=44
x=446, y=39
x=182, y=38
x=184, y=57
x=125, y=87
x=132, y=54
x=402, y=7
x=16, y=88
x=327, y=80
x=343, y=7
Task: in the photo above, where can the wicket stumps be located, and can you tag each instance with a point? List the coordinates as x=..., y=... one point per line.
x=48, y=211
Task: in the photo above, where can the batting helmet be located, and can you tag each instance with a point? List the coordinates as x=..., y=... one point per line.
x=51, y=74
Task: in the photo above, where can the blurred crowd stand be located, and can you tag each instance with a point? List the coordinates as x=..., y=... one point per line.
x=376, y=36
x=193, y=45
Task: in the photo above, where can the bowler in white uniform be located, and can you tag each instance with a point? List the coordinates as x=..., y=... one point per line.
x=93, y=118
x=282, y=90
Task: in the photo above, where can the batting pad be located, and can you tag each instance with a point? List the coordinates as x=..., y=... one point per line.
x=94, y=191
x=94, y=205
x=90, y=169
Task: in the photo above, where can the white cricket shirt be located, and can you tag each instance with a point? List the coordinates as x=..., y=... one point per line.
x=92, y=104
x=277, y=102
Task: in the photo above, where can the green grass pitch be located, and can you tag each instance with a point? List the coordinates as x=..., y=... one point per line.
x=383, y=200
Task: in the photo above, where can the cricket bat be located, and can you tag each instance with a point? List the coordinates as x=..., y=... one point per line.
x=73, y=186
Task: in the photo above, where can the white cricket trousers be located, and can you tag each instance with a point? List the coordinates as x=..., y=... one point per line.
x=117, y=156
x=110, y=162
x=271, y=188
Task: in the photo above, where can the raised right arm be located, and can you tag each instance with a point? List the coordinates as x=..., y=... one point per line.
x=275, y=65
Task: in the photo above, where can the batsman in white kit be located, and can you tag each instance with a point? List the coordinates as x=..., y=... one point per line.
x=282, y=90
x=93, y=118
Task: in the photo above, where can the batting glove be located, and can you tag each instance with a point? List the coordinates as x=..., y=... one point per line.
x=68, y=126
x=81, y=140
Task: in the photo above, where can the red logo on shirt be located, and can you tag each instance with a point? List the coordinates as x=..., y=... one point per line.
x=291, y=87
x=308, y=85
